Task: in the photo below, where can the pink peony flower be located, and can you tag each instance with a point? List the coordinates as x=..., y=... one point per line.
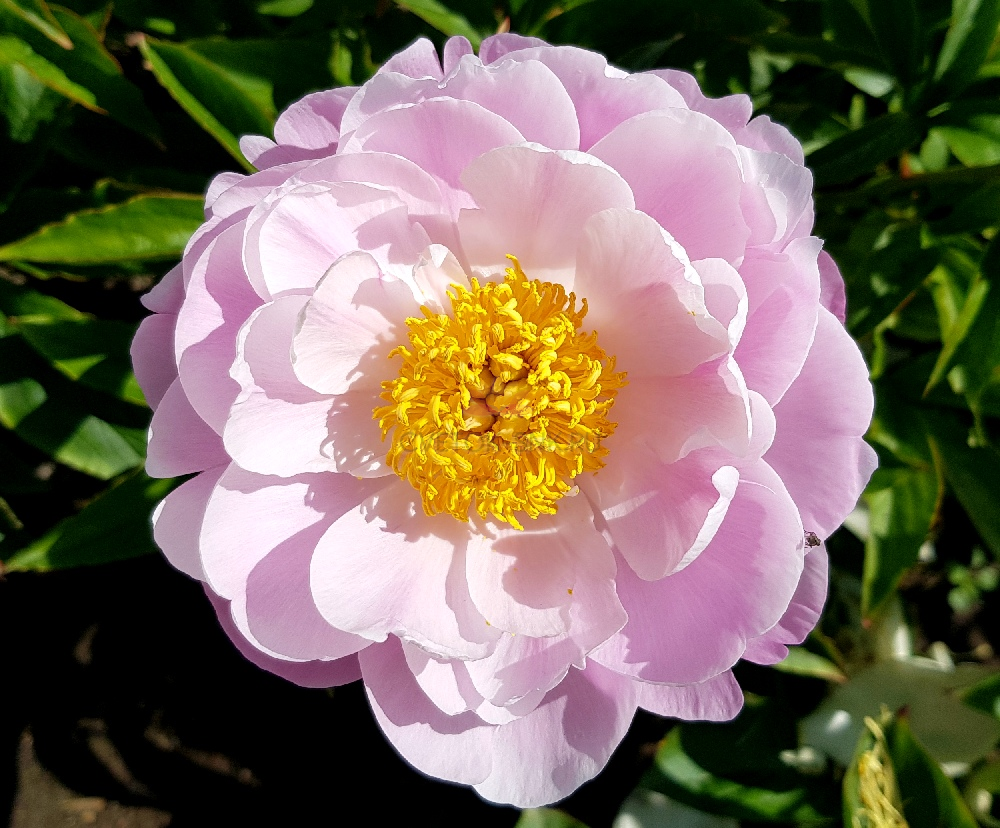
x=517, y=388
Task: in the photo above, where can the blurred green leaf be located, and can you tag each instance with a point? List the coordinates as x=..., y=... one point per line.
x=32, y=306
x=985, y=695
x=972, y=31
x=147, y=227
x=442, y=18
x=95, y=352
x=930, y=799
x=859, y=152
x=37, y=14
x=901, y=507
x=208, y=94
x=958, y=329
x=114, y=527
x=801, y=662
x=734, y=769
x=15, y=52
x=285, y=8
x=898, y=31
x=89, y=65
x=849, y=28
x=547, y=818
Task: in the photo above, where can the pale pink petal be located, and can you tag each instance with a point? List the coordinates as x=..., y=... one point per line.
x=684, y=170
x=718, y=699
x=440, y=135
x=494, y=47
x=802, y=615
x=349, y=325
x=707, y=407
x=539, y=212
x=355, y=442
x=784, y=290
x=644, y=299
x=732, y=111
x=181, y=442
x=245, y=192
x=739, y=587
x=248, y=515
x=153, y=356
x=280, y=611
x=418, y=60
x=439, y=680
x=661, y=514
x=785, y=211
x=434, y=274
x=569, y=738
x=603, y=96
x=818, y=449
x=224, y=181
x=521, y=665
x=277, y=425
x=219, y=299
x=833, y=295
x=725, y=295
x=520, y=589
x=455, y=48
x=167, y=294
x=252, y=147
x=177, y=521
x=292, y=242
x=765, y=135
x=371, y=578
x=313, y=122
x=304, y=673
x=452, y=747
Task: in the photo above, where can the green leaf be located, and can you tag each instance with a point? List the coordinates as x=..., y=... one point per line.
x=735, y=769
x=75, y=426
x=442, y=18
x=32, y=306
x=970, y=472
x=15, y=52
x=219, y=103
x=114, y=527
x=547, y=818
x=977, y=145
x=901, y=507
x=801, y=662
x=90, y=65
x=285, y=8
x=972, y=31
x=94, y=352
x=897, y=28
x=37, y=14
x=147, y=227
x=984, y=695
x=958, y=330
x=859, y=152
x=930, y=799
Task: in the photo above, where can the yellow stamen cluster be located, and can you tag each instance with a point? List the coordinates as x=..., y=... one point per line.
x=498, y=406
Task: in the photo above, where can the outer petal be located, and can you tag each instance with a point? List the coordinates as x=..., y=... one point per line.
x=458, y=747
x=684, y=170
x=802, y=615
x=661, y=514
x=603, y=96
x=644, y=298
x=718, y=699
x=818, y=450
x=153, y=356
x=167, y=294
x=304, y=673
x=277, y=425
x=495, y=47
x=249, y=515
x=539, y=212
x=372, y=576
x=833, y=296
x=313, y=122
x=180, y=442
x=695, y=624
x=732, y=111
x=570, y=736
x=177, y=521
x=218, y=300
x=780, y=193
x=418, y=60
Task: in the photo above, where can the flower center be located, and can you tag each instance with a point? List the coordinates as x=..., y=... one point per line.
x=500, y=405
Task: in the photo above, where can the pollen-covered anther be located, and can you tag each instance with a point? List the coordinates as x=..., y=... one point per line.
x=499, y=405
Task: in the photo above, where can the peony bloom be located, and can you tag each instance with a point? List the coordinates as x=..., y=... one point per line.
x=517, y=388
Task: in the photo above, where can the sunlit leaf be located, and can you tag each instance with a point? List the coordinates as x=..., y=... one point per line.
x=442, y=18
x=37, y=14
x=971, y=34
x=147, y=227
x=547, y=818
x=116, y=526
